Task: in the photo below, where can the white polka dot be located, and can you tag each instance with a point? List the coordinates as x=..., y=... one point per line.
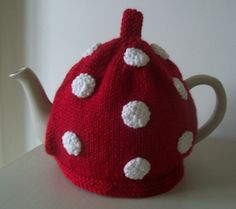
x=180, y=88
x=160, y=51
x=90, y=50
x=137, y=168
x=83, y=85
x=185, y=142
x=71, y=143
x=135, y=57
x=135, y=114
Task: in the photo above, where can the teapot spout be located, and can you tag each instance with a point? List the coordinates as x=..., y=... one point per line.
x=38, y=101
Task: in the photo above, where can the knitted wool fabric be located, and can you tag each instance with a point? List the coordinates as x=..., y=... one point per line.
x=123, y=119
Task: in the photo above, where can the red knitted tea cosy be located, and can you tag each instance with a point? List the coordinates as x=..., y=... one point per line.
x=123, y=119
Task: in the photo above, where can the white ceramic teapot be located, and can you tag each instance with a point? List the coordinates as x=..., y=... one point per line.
x=40, y=105
x=123, y=119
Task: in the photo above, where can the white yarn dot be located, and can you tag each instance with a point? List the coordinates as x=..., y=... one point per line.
x=135, y=57
x=71, y=143
x=180, y=88
x=185, y=142
x=83, y=85
x=137, y=168
x=135, y=114
x=160, y=51
x=90, y=50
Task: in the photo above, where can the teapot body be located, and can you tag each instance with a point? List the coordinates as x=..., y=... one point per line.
x=123, y=119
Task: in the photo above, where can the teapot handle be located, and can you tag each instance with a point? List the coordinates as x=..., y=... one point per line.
x=220, y=107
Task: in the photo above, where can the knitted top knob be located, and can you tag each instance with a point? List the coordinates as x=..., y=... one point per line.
x=131, y=25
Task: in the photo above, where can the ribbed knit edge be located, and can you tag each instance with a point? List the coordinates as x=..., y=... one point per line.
x=132, y=189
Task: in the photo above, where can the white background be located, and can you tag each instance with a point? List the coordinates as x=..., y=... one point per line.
x=50, y=35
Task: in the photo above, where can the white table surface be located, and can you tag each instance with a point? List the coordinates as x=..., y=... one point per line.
x=35, y=182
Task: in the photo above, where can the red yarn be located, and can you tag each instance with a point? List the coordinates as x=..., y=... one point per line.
x=131, y=25
x=125, y=188
x=107, y=143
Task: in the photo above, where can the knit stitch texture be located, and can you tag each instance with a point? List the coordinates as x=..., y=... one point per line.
x=127, y=125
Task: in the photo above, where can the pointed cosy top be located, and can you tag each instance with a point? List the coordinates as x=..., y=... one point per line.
x=131, y=25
